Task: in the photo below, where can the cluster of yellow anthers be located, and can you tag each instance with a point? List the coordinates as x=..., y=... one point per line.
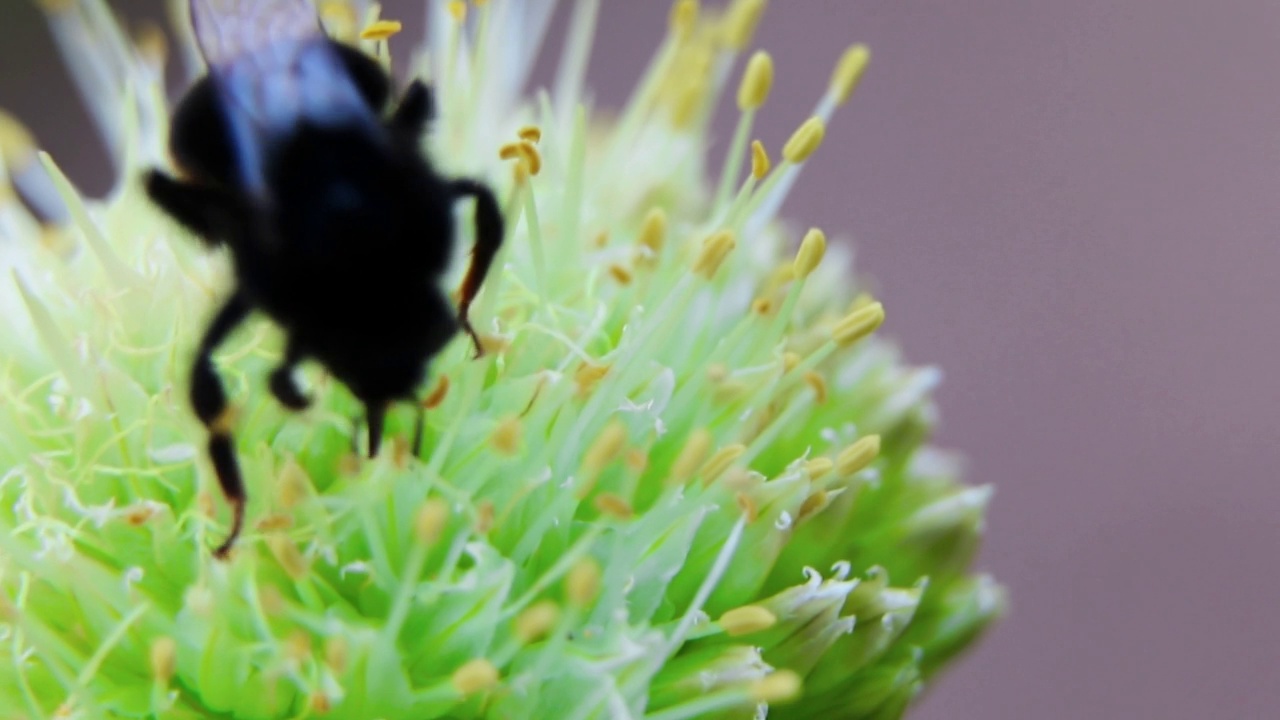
x=678, y=419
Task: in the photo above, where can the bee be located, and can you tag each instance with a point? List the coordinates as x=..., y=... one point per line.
x=294, y=158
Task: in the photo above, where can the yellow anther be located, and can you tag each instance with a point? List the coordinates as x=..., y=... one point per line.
x=848, y=72
x=537, y=621
x=583, y=582
x=17, y=146
x=760, y=163
x=778, y=687
x=510, y=151
x=428, y=524
x=860, y=301
x=819, y=467
x=690, y=99
x=298, y=645
x=381, y=29
x=139, y=515
x=620, y=274
x=606, y=447
x=458, y=10
x=588, y=375
x=740, y=23
x=720, y=461
x=717, y=372
x=746, y=620
x=790, y=360
x=614, y=506
x=812, y=248
x=506, y=437
x=274, y=523
x=818, y=384
x=320, y=703
x=437, y=394
x=164, y=659
x=294, y=484
x=601, y=240
x=494, y=344
x=757, y=80
x=747, y=504
x=653, y=231
x=637, y=460
x=714, y=250
x=337, y=653
x=479, y=674
x=858, y=456
x=762, y=306
x=530, y=133
x=804, y=141
x=683, y=18
x=691, y=457
x=858, y=324
x=812, y=505
x=349, y=464
x=289, y=557
x=151, y=42
x=529, y=153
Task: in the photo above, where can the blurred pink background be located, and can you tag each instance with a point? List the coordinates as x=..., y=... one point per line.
x=1074, y=209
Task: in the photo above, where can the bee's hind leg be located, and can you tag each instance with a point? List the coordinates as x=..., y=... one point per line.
x=209, y=400
x=282, y=383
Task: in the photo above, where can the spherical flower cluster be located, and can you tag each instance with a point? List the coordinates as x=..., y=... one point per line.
x=685, y=481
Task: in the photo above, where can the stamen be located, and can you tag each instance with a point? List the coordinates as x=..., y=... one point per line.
x=294, y=563
x=804, y=141
x=536, y=622
x=614, y=506
x=818, y=467
x=748, y=506
x=812, y=250
x=530, y=133
x=746, y=620
x=757, y=80
x=858, y=456
x=337, y=654
x=582, y=584
x=740, y=23
x=683, y=18
x=759, y=160
x=437, y=394
x=721, y=461
x=714, y=250
x=653, y=231
x=458, y=10
x=385, y=29
x=858, y=324
x=818, y=384
x=606, y=448
x=164, y=659
x=588, y=375
x=620, y=274
x=848, y=72
x=506, y=437
x=429, y=523
x=479, y=674
x=294, y=485
x=779, y=687
x=691, y=457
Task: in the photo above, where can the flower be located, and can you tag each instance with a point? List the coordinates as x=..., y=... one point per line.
x=686, y=481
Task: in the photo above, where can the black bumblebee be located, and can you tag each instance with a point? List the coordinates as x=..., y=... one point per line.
x=339, y=228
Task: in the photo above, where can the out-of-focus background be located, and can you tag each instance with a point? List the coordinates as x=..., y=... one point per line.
x=1074, y=209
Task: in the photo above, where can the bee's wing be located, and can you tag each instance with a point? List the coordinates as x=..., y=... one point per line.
x=228, y=30
x=273, y=67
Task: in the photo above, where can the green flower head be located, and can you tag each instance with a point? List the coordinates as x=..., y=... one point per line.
x=686, y=480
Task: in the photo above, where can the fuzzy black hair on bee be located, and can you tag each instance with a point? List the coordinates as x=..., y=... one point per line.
x=338, y=227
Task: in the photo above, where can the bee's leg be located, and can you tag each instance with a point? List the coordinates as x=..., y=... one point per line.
x=282, y=383
x=207, y=212
x=417, y=109
x=370, y=78
x=375, y=414
x=419, y=424
x=489, y=232
x=210, y=403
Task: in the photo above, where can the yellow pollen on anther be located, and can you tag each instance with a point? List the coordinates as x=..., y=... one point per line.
x=164, y=659
x=812, y=249
x=485, y=514
x=818, y=467
x=684, y=16
x=762, y=306
x=714, y=250
x=858, y=456
x=778, y=687
x=614, y=506
x=298, y=646
x=818, y=384
x=717, y=372
x=747, y=504
x=506, y=437
x=151, y=42
x=720, y=461
x=17, y=146
x=653, y=231
x=437, y=394
x=582, y=584
x=812, y=505
x=458, y=10
x=760, y=163
x=531, y=156
x=382, y=29
x=289, y=557
x=510, y=151
x=274, y=523
x=691, y=457
x=606, y=447
x=757, y=80
x=588, y=375
x=601, y=240
x=428, y=524
x=740, y=23
x=804, y=141
x=620, y=274
x=530, y=133
x=294, y=485
x=858, y=324
x=537, y=621
x=475, y=675
x=848, y=72
x=636, y=459
x=746, y=620
x=790, y=360
x=320, y=703
x=138, y=515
